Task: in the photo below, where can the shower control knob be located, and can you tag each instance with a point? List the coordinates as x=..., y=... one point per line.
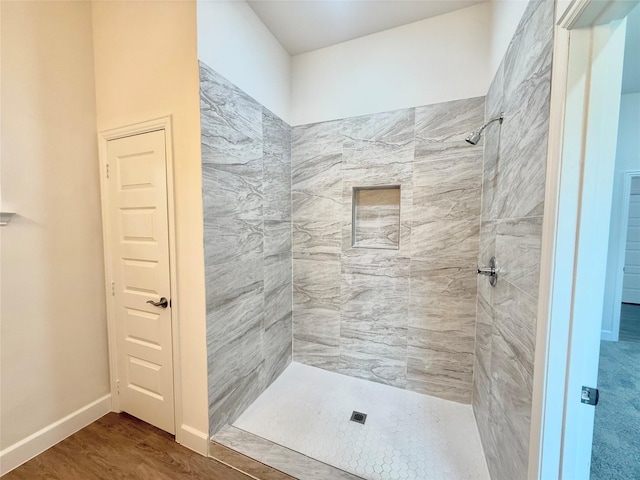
x=490, y=271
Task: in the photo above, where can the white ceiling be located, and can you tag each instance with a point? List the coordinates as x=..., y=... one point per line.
x=305, y=25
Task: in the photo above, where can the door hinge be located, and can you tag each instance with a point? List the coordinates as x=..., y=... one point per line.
x=107, y=170
x=590, y=396
x=113, y=289
x=117, y=387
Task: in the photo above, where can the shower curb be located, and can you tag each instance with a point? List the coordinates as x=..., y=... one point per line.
x=231, y=442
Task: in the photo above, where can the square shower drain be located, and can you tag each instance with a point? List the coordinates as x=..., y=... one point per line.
x=358, y=417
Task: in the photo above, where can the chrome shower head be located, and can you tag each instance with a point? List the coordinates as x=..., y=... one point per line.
x=474, y=137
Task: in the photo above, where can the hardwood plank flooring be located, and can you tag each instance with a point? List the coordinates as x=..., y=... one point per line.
x=119, y=446
x=630, y=322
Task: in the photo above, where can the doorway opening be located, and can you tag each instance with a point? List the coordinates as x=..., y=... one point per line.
x=630, y=305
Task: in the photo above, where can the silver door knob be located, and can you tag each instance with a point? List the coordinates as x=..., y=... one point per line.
x=163, y=303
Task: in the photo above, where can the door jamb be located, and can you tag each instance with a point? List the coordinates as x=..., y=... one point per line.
x=165, y=124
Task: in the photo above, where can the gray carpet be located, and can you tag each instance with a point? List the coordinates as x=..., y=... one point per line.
x=616, y=438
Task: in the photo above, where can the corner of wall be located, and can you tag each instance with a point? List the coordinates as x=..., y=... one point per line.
x=234, y=42
x=28, y=448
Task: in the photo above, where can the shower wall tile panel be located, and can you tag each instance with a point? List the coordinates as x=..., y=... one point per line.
x=246, y=163
x=317, y=229
x=318, y=156
x=513, y=183
x=316, y=309
x=438, y=130
x=402, y=317
x=276, y=167
x=231, y=124
x=519, y=241
x=379, y=148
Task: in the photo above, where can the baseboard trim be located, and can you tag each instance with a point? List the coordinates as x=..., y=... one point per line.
x=607, y=335
x=32, y=446
x=193, y=439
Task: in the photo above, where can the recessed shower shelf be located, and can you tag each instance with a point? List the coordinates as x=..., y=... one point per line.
x=376, y=217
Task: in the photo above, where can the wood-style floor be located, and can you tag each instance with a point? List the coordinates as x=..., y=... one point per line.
x=120, y=447
x=630, y=322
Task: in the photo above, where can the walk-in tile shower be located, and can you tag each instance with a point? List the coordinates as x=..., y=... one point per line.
x=350, y=248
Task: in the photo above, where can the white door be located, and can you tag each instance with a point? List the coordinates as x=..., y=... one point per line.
x=137, y=189
x=598, y=54
x=631, y=282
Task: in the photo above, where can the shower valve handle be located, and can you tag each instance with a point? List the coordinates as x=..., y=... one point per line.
x=490, y=271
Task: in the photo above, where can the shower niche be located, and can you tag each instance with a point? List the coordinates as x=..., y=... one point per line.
x=376, y=217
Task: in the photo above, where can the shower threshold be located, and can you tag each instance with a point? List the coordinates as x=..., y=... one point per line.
x=232, y=445
x=301, y=425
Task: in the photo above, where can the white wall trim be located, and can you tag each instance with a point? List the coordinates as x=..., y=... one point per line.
x=161, y=123
x=573, y=12
x=609, y=335
x=193, y=439
x=45, y=438
x=589, y=13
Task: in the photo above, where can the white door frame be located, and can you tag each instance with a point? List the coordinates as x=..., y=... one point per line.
x=162, y=123
x=568, y=119
x=622, y=251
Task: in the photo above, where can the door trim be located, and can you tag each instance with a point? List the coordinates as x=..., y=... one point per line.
x=164, y=124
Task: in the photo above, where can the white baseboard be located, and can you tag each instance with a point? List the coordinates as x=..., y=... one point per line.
x=607, y=335
x=24, y=450
x=193, y=439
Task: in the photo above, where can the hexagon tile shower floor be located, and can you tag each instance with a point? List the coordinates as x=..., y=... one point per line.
x=406, y=435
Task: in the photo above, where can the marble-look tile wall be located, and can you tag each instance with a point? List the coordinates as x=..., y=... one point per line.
x=246, y=185
x=406, y=316
x=515, y=156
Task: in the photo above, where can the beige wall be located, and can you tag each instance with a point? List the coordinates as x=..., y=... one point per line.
x=53, y=334
x=439, y=59
x=146, y=67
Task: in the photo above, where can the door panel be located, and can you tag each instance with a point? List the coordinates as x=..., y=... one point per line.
x=140, y=268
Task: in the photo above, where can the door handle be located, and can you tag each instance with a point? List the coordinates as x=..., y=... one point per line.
x=163, y=302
